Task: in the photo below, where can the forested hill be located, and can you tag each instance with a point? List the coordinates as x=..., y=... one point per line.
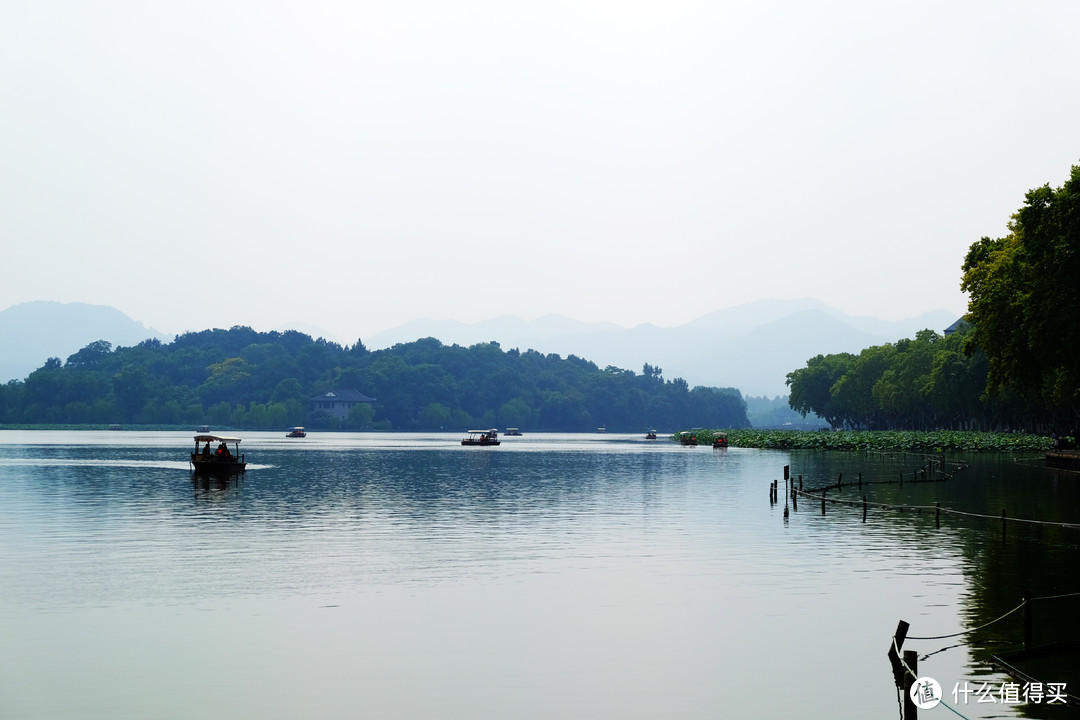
x=268, y=380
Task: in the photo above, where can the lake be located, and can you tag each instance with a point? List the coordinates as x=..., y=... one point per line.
x=350, y=575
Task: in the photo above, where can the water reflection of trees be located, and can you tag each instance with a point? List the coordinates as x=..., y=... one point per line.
x=1034, y=552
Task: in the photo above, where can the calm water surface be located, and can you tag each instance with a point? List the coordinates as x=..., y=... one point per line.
x=570, y=576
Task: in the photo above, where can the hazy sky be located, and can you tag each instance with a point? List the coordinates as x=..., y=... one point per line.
x=354, y=165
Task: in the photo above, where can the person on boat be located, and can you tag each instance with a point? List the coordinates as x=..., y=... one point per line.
x=206, y=451
x=222, y=451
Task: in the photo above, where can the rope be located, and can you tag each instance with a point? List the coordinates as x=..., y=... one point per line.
x=969, y=630
x=947, y=647
x=986, y=625
x=1057, y=597
x=947, y=706
x=912, y=673
x=819, y=494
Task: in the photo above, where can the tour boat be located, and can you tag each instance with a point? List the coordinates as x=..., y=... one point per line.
x=512, y=431
x=720, y=441
x=296, y=432
x=218, y=459
x=687, y=438
x=651, y=435
x=482, y=437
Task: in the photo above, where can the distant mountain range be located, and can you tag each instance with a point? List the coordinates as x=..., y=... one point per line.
x=751, y=347
x=33, y=332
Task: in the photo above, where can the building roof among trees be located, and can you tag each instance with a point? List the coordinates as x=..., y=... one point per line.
x=344, y=396
x=960, y=323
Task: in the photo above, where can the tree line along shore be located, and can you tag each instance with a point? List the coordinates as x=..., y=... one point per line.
x=937, y=441
x=930, y=442
x=1011, y=363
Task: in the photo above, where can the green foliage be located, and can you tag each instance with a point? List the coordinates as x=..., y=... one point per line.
x=883, y=441
x=90, y=357
x=246, y=379
x=923, y=383
x=1025, y=298
x=811, y=387
x=1013, y=363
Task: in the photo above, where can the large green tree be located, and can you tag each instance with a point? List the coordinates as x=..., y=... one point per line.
x=811, y=387
x=1024, y=297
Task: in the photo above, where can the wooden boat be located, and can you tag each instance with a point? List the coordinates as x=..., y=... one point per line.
x=513, y=431
x=482, y=437
x=687, y=438
x=217, y=459
x=720, y=441
x=651, y=435
x=296, y=432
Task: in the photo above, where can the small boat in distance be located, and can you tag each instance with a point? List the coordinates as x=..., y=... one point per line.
x=203, y=429
x=296, y=432
x=482, y=437
x=512, y=431
x=688, y=438
x=720, y=441
x=651, y=435
x=219, y=459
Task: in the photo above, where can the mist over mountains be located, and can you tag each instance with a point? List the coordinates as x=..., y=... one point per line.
x=751, y=347
x=32, y=332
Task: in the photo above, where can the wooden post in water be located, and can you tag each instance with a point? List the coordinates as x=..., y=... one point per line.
x=937, y=514
x=911, y=659
x=823, y=502
x=864, y=508
x=786, y=475
x=894, y=658
x=840, y=482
